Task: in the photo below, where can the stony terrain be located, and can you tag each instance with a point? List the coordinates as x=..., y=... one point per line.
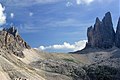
x=99, y=60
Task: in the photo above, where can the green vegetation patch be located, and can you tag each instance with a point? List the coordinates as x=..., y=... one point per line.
x=69, y=60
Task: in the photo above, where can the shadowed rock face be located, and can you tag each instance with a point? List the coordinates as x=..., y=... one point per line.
x=117, y=36
x=102, y=34
x=10, y=40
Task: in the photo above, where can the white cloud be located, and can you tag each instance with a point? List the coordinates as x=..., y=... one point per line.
x=69, y=4
x=31, y=14
x=11, y=15
x=65, y=46
x=2, y=15
x=87, y=2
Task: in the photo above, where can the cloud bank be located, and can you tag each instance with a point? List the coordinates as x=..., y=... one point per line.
x=65, y=46
x=2, y=15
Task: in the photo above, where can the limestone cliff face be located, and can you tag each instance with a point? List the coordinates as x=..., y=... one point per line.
x=10, y=40
x=102, y=35
x=117, y=36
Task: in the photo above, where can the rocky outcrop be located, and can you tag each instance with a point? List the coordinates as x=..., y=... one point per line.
x=117, y=36
x=102, y=35
x=62, y=67
x=10, y=40
x=78, y=72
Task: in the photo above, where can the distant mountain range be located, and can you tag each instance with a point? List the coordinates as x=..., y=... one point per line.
x=99, y=60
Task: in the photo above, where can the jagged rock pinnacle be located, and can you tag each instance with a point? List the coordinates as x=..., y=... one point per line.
x=97, y=20
x=102, y=34
x=10, y=40
x=12, y=30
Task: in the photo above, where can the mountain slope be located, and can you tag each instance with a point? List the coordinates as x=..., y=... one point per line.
x=11, y=67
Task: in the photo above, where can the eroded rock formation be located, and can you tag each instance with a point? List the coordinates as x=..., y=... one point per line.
x=102, y=35
x=10, y=40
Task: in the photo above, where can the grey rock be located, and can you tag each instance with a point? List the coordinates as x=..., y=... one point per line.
x=10, y=40
x=102, y=34
x=62, y=67
x=12, y=30
x=117, y=36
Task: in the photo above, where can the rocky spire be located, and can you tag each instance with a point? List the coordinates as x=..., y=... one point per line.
x=12, y=30
x=107, y=20
x=102, y=35
x=117, y=36
x=10, y=40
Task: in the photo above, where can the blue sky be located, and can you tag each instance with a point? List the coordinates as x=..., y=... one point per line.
x=50, y=23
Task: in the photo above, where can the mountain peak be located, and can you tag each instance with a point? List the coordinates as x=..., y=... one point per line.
x=97, y=20
x=108, y=14
x=10, y=40
x=12, y=30
x=107, y=20
x=102, y=36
